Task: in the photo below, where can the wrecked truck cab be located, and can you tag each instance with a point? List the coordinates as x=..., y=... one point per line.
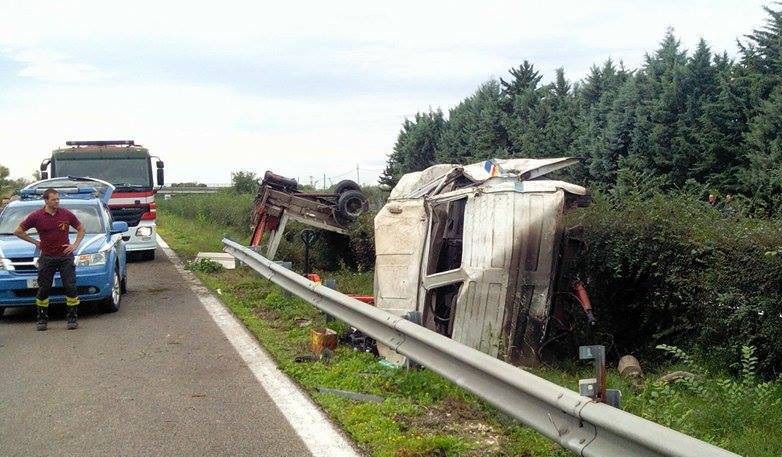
x=475, y=252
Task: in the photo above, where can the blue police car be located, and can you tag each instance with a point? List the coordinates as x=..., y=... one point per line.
x=101, y=273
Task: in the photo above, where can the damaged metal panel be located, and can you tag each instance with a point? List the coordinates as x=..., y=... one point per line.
x=477, y=252
x=480, y=311
x=400, y=230
x=538, y=219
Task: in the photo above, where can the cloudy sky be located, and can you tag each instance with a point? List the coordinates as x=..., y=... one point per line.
x=301, y=88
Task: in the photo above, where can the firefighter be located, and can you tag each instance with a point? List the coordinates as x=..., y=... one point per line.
x=53, y=224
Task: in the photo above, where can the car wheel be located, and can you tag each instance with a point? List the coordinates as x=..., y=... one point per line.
x=344, y=185
x=111, y=303
x=351, y=204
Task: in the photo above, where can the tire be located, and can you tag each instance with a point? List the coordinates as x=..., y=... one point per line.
x=2, y=311
x=352, y=204
x=148, y=255
x=123, y=285
x=111, y=303
x=344, y=185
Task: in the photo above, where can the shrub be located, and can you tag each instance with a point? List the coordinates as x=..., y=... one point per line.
x=225, y=207
x=204, y=266
x=671, y=269
x=245, y=182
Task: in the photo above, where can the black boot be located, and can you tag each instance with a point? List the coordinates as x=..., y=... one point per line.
x=72, y=324
x=43, y=318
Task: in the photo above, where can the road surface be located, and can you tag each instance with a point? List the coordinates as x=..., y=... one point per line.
x=159, y=377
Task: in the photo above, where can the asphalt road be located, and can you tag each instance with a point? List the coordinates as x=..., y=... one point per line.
x=156, y=378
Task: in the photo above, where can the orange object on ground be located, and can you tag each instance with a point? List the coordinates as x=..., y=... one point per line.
x=322, y=338
x=313, y=277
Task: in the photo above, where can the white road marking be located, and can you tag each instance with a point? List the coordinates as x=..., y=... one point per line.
x=310, y=423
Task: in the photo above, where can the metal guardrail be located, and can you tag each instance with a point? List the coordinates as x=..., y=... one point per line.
x=577, y=423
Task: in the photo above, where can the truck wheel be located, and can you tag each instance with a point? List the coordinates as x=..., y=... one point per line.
x=344, y=185
x=351, y=204
x=111, y=303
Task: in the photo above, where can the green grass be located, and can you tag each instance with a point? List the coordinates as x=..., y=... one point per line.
x=424, y=414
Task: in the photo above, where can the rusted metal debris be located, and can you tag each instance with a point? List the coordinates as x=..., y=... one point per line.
x=279, y=200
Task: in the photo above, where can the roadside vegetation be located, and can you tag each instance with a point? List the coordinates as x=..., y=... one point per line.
x=736, y=406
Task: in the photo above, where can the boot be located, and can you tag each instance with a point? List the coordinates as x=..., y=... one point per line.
x=43, y=318
x=72, y=324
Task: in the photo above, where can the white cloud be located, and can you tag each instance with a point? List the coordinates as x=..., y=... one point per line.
x=208, y=87
x=51, y=67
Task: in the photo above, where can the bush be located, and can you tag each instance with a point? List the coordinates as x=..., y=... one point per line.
x=671, y=269
x=204, y=266
x=225, y=207
x=245, y=182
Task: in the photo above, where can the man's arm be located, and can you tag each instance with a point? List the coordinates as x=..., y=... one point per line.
x=69, y=248
x=21, y=233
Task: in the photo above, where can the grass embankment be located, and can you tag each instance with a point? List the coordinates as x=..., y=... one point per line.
x=423, y=414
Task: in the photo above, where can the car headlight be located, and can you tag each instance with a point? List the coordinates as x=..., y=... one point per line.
x=87, y=260
x=144, y=231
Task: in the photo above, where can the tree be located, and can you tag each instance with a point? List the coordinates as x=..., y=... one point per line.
x=475, y=129
x=9, y=186
x=245, y=182
x=416, y=146
x=763, y=175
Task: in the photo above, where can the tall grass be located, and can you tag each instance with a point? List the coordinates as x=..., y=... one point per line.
x=226, y=208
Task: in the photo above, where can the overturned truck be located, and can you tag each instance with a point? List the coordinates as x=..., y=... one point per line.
x=479, y=253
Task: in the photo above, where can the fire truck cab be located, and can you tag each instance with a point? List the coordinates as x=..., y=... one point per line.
x=128, y=167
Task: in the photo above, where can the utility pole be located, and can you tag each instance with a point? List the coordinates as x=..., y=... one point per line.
x=358, y=177
x=324, y=181
x=312, y=182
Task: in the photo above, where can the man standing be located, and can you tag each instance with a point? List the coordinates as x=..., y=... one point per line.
x=53, y=224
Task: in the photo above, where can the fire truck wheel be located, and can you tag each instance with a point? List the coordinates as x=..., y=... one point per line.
x=351, y=204
x=344, y=185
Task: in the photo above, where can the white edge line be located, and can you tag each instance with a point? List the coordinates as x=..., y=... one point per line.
x=310, y=422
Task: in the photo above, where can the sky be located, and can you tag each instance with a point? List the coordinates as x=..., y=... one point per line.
x=305, y=89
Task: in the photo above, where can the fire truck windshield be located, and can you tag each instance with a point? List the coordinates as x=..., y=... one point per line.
x=125, y=172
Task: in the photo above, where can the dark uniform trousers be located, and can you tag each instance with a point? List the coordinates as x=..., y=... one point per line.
x=47, y=266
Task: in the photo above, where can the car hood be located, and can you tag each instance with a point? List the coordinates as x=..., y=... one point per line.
x=12, y=247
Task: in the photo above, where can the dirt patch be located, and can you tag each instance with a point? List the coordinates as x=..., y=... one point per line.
x=456, y=417
x=430, y=453
x=268, y=316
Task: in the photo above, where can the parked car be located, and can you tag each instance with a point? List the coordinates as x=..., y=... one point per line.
x=101, y=273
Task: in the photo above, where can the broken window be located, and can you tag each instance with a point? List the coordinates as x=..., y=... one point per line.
x=446, y=236
x=440, y=308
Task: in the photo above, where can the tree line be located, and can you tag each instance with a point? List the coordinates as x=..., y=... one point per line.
x=683, y=118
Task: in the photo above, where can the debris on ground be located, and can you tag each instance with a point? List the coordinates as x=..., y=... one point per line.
x=676, y=375
x=350, y=395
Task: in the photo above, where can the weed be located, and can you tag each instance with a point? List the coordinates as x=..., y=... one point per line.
x=204, y=265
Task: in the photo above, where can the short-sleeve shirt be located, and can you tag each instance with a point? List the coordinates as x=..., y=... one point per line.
x=52, y=229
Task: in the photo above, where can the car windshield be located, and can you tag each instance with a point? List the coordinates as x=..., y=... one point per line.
x=89, y=215
x=120, y=172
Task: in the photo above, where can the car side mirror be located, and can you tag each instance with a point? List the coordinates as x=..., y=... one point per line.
x=44, y=175
x=119, y=227
x=160, y=180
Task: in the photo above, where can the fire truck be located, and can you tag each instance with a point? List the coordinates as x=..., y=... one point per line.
x=128, y=167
